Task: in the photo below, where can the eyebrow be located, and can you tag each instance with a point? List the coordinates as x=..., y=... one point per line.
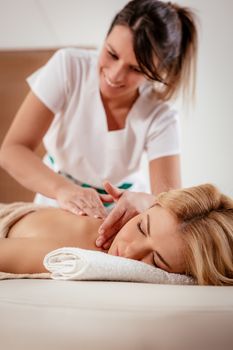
x=157, y=253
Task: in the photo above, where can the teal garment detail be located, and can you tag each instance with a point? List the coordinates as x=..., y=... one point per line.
x=124, y=186
x=51, y=160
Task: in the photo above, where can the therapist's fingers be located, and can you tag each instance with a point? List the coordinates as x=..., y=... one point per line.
x=106, y=198
x=112, y=190
x=112, y=219
x=87, y=201
x=73, y=208
x=111, y=225
x=108, y=244
x=81, y=201
x=111, y=230
x=92, y=205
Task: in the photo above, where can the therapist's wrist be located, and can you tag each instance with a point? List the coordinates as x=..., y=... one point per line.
x=147, y=200
x=63, y=185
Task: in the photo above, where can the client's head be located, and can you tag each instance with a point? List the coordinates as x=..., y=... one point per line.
x=187, y=231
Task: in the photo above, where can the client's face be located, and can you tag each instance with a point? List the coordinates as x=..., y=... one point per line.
x=152, y=237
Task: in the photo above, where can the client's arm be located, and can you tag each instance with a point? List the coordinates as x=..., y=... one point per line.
x=39, y=232
x=24, y=255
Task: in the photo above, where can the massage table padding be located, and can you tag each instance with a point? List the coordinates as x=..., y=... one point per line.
x=57, y=315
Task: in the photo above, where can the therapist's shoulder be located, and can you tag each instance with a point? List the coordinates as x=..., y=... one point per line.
x=75, y=62
x=74, y=55
x=156, y=107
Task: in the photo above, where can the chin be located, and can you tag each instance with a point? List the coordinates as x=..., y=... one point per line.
x=113, y=249
x=110, y=91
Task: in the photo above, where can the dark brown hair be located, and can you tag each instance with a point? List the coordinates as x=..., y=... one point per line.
x=167, y=33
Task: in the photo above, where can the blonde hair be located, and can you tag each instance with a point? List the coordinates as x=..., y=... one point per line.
x=206, y=225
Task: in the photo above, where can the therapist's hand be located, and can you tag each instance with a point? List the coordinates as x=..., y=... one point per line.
x=128, y=205
x=82, y=201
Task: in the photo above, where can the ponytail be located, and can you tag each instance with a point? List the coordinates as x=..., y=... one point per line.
x=165, y=44
x=187, y=62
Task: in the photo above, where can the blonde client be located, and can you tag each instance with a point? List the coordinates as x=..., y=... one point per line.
x=186, y=231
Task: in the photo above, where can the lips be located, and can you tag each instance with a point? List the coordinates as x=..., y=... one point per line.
x=111, y=84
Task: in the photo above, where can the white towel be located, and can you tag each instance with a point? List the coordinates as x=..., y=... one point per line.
x=81, y=264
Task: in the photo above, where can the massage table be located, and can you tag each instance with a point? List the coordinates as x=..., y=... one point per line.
x=89, y=315
x=47, y=314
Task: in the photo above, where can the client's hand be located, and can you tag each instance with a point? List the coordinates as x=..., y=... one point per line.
x=82, y=201
x=128, y=205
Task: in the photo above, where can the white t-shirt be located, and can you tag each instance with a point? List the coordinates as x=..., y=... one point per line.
x=78, y=139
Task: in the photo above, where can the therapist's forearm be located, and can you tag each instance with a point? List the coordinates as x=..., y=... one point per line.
x=28, y=169
x=165, y=174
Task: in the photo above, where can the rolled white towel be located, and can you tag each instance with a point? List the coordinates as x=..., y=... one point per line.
x=80, y=264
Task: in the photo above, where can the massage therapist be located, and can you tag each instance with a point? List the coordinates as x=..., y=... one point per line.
x=98, y=111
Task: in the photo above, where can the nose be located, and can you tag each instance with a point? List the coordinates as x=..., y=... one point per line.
x=136, y=251
x=117, y=72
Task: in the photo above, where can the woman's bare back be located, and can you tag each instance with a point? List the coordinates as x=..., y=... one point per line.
x=59, y=226
x=37, y=233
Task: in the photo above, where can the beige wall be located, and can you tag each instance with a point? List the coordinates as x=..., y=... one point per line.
x=54, y=23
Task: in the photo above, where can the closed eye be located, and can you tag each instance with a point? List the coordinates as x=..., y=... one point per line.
x=111, y=54
x=154, y=262
x=136, y=70
x=139, y=226
x=140, y=229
